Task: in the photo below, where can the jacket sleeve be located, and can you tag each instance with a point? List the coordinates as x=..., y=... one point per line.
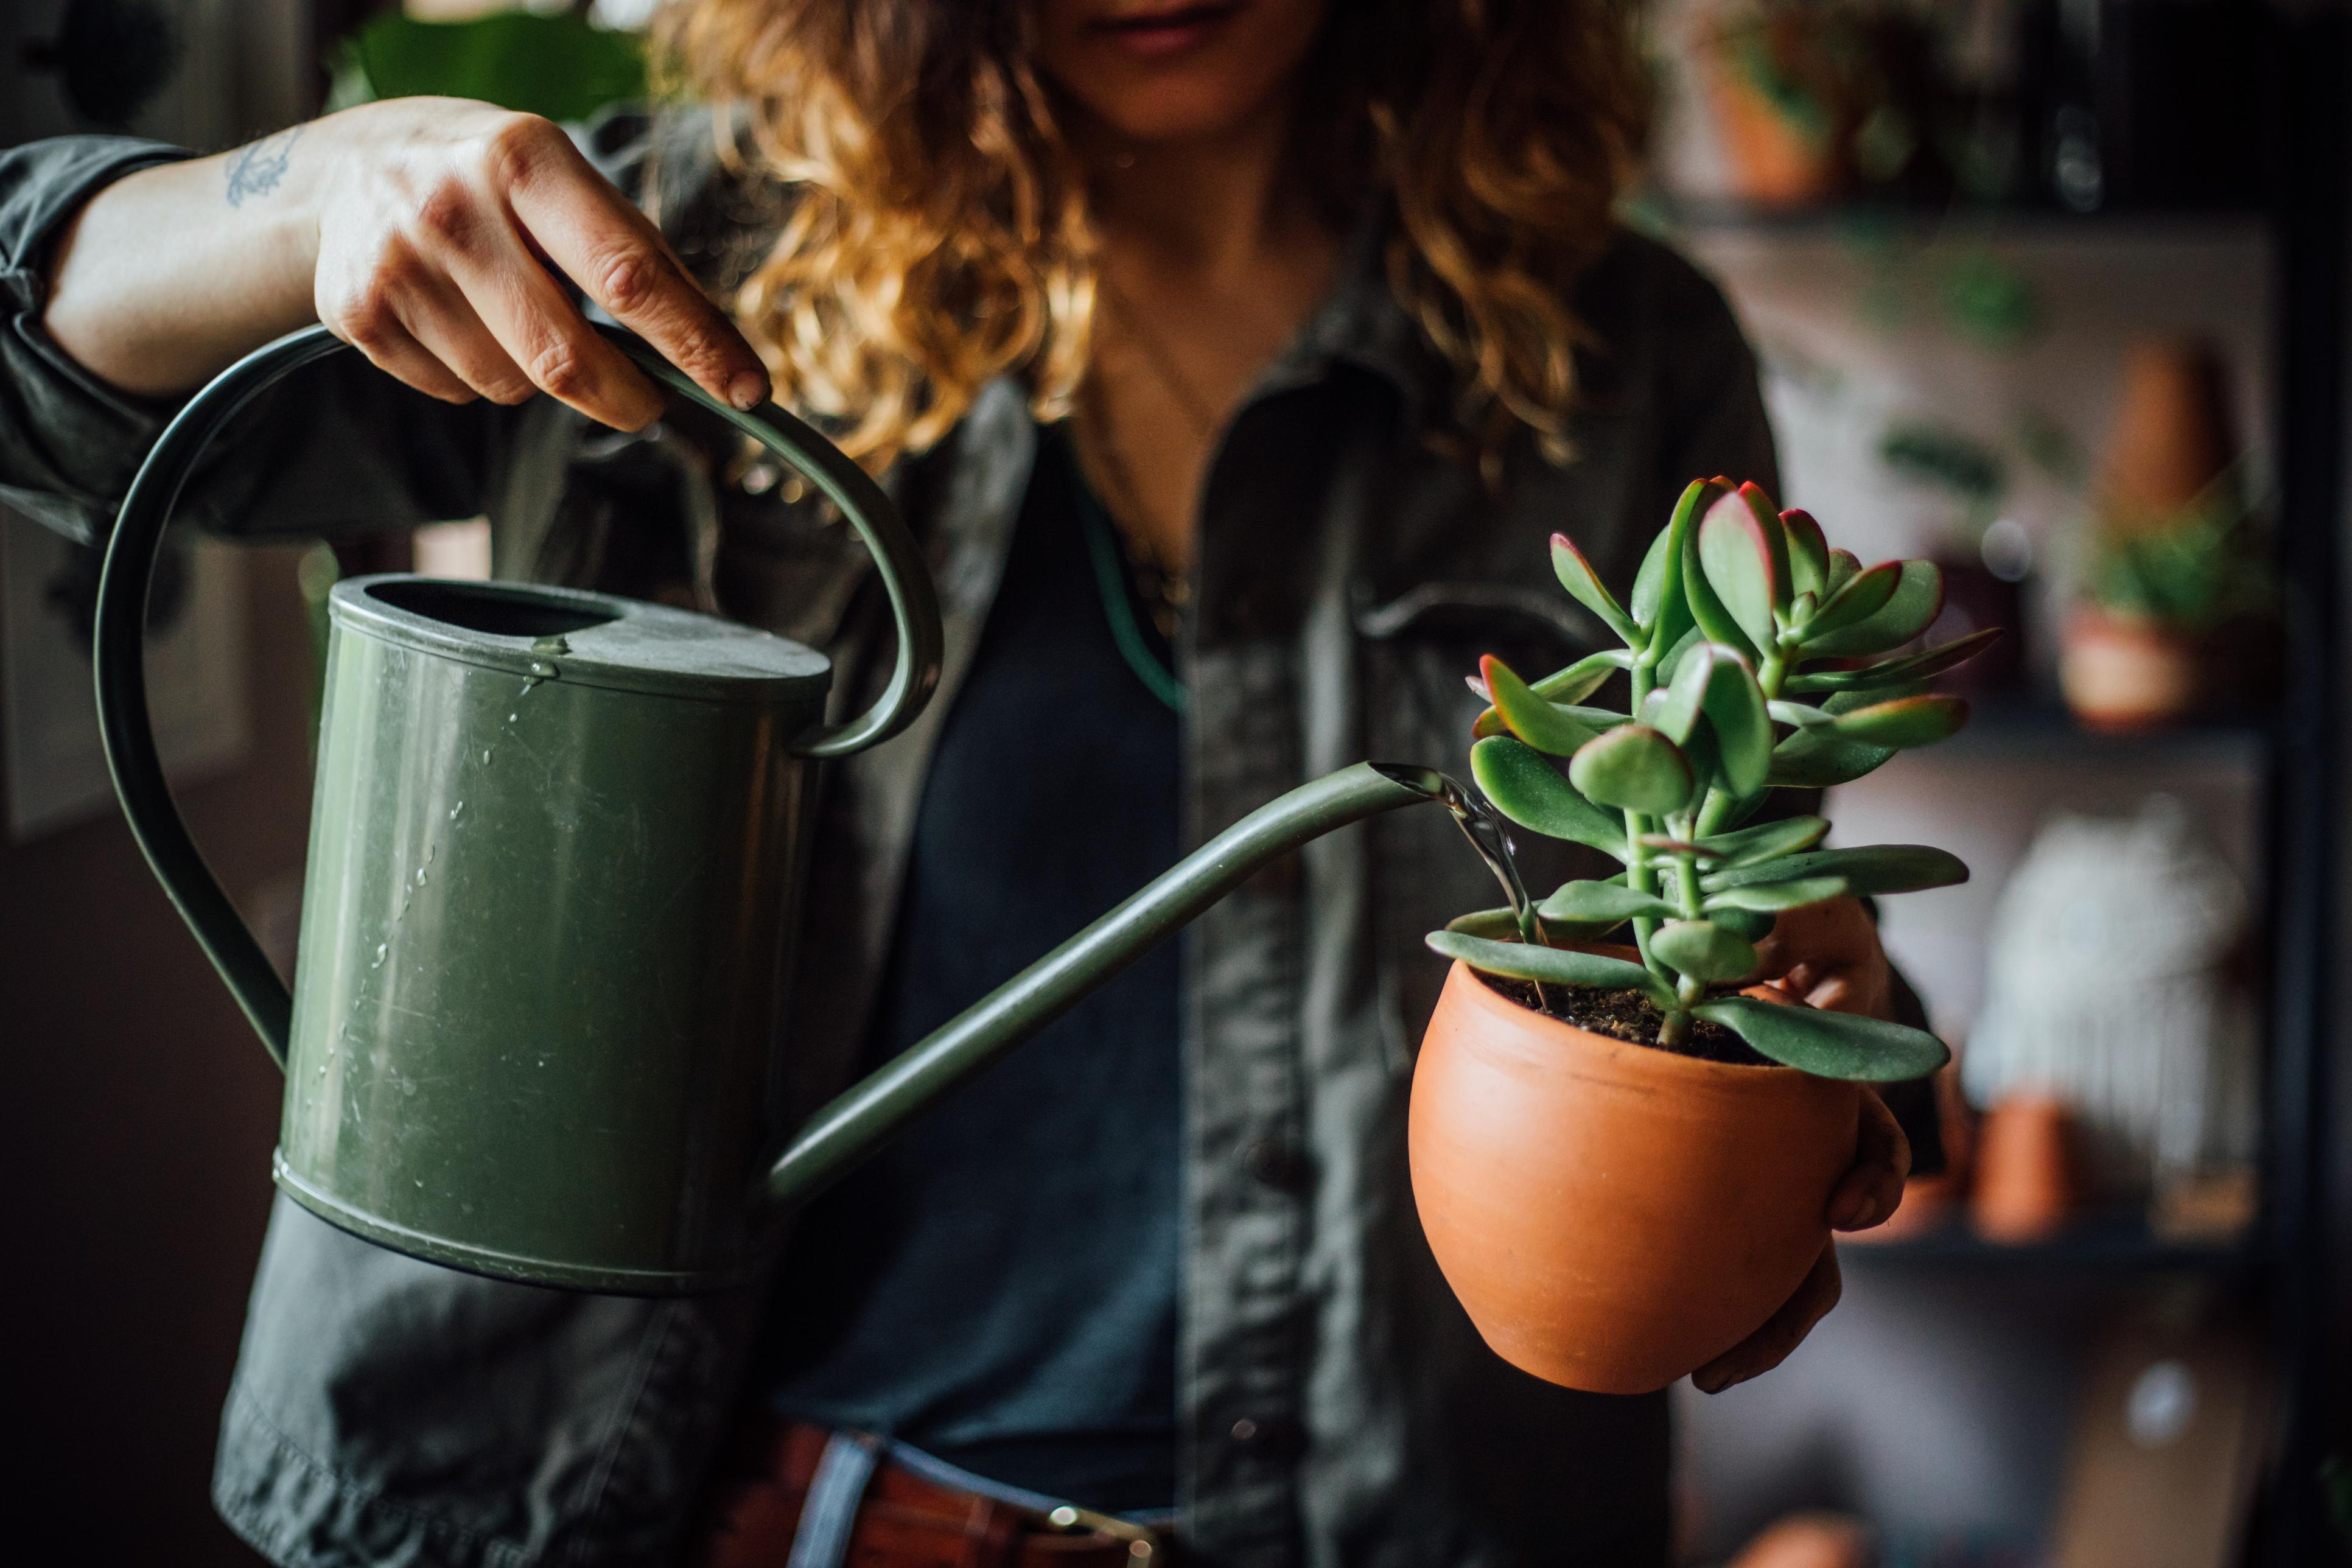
x=336, y=447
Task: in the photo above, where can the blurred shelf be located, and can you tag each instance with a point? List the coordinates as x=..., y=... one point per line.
x=2023, y=727
x=2120, y=1242
x=1869, y=221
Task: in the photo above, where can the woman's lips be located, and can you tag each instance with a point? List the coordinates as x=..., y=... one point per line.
x=1167, y=29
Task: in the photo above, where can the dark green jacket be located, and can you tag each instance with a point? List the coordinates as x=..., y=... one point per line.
x=1336, y=1405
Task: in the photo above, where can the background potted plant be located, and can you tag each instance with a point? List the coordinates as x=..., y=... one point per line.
x=1621, y=1156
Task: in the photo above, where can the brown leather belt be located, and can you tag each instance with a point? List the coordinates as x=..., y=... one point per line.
x=903, y=1519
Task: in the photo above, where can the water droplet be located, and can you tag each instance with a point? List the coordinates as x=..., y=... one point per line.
x=420, y=876
x=420, y=1183
x=381, y=948
x=461, y=805
x=485, y=756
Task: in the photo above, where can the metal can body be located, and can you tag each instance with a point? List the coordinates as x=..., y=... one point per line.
x=542, y=949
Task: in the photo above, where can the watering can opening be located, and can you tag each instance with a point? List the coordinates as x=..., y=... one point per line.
x=495, y=609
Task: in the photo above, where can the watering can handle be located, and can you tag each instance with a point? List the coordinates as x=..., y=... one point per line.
x=118, y=645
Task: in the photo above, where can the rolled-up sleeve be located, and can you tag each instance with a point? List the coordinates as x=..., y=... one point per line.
x=337, y=448
x=68, y=442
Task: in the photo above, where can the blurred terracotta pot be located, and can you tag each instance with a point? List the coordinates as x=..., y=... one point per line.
x=1612, y=1215
x=2121, y=673
x=1774, y=162
x=2172, y=436
x=2027, y=1187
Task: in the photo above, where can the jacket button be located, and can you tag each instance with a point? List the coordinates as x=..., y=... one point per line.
x=1276, y=1163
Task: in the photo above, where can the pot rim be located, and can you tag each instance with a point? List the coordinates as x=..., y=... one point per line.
x=1694, y=1068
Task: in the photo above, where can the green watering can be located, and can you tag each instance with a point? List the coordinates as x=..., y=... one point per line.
x=557, y=846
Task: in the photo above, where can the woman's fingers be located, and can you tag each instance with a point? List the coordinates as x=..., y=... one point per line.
x=546, y=342
x=584, y=227
x=1769, y=1346
x=1872, y=1188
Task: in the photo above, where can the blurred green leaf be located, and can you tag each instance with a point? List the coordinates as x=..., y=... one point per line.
x=558, y=66
x=1734, y=704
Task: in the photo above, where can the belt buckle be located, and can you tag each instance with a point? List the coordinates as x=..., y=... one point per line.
x=1143, y=1542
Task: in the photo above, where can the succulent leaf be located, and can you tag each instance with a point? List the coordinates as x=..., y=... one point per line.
x=1583, y=584
x=1821, y=758
x=1829, y=1044
x=1666, y=844
x=1843, y=564
x=1918, y=599
x=1711, y=617
x=1903, y=722
x=1737, y=558
x=1503, y=925
x=1798, y=715
x=1897, y=672
x=1704, y=950
x=1633, y=768
x=1610, y=902
x=1659, y=604
x=1767, y=841
x=1867, y=869
x=1809, y=553
x=1863, y=596
x=1573, y=684
x=1774, y=897
x=1674, y=711
x=1531, y=792
x=1736, y=712
x=1753, y=924
x=1548, y=965
x=1546, y=725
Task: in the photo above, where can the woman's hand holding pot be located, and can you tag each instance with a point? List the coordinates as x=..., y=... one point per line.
x=1827, y=955
x=437, y=236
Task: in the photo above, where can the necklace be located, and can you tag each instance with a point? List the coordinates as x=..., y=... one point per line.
x=1163, y=588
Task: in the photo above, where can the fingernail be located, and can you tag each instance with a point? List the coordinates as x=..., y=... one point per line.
x=1709, y=1382
x=1847, y=1210
x=748, y=391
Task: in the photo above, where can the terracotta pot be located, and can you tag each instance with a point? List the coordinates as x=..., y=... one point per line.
x=1613, y=1217
x=2027, y=1179
x=2172, y=435
x=1773, y=163
x=2120, y=673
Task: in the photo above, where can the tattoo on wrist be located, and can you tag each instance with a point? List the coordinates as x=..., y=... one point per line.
x=257, y=170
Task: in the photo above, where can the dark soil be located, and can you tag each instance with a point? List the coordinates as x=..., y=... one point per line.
x=1628, y=1015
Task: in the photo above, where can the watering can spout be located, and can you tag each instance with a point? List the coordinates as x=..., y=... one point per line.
x=853, y=1125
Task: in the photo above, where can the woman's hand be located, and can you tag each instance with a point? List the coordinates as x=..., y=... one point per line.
x=433, y=234
x=1827, y=955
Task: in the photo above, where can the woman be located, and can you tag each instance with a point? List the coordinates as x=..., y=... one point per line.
x=1234, y=360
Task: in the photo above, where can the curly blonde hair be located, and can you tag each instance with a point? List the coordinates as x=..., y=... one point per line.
x=938, y=233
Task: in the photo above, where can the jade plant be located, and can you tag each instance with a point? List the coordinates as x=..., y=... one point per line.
x=1757, y=658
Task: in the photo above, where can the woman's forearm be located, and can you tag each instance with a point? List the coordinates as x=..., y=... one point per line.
x=434, y=234
x=168, y=274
